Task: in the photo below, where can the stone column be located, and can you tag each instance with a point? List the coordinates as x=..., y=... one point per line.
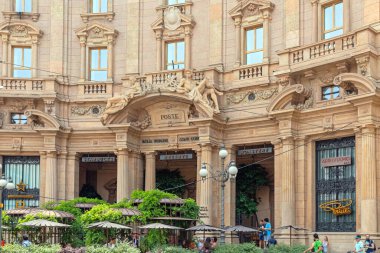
x=369, y=215
x=122, y=191
x=288, y=212
x=140, y=172
x=314, y=35
x=62, y=183
x=266, y=35
x=109, y=58
x=238, y=59
x=199, y=182
x=346, y=16
x=277, y=182
x=4, y=69
x=42, y=177
x=230, y=192
x=159, y=50
x=51, y=185
x=150, y=171
x=188, y=34
x=82, y=59
x=72, y=176
x=206, y=187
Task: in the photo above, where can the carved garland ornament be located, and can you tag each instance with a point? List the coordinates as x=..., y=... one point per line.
x=94, y=110
x=251, y=96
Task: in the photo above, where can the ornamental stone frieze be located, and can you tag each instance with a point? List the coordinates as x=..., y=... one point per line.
x=91, y=110
x=296, y=96
x=251, y=96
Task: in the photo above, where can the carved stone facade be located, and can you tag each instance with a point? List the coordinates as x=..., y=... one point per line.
x=143, y=117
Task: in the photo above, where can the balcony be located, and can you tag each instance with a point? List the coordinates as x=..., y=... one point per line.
x=92, y=91
x=16, y=87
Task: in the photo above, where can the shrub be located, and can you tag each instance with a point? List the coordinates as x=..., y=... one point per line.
x=17, y=248
x=282, y=248
x=171, y=249
x=121, y=248
x=241, y=248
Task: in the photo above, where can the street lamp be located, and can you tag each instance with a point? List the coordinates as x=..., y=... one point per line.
x=4, y=184
x=222, y=176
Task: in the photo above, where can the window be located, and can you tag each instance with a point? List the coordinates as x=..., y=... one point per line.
x=333, y=20
x=99, y=6
x=22, y=62
x=172, y=2
x=175, y=55
x=19, y=119
x=335, y=183
x=23, y=5
x=254, y=45
x=98, y=64
x=330, y=92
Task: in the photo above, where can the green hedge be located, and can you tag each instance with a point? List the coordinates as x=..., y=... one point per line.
x=241, y=248
x=282, y=248
x=171, y=249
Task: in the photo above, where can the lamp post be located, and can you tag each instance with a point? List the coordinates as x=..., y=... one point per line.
x=222, y=176
x=4, y=184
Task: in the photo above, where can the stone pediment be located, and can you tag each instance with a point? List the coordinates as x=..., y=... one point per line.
x=42, y=121
x=20, y=30
x=167, y=103
x=295, y=96
x=172, y=20
x=247, y=8
x=94, y=31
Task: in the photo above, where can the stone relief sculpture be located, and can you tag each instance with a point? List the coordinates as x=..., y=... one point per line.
x=203, y=93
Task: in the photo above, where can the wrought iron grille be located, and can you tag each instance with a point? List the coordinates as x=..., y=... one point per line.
x=22, y=170
x=335, y=183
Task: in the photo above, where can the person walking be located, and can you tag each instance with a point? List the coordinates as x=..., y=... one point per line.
x=316, y=246
x=267, y=231
x=325, y=244
x=359, y=246
x=369, y=244
x=261, y=234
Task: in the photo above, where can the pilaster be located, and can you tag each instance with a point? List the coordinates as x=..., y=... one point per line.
x=51, y=178
x=72, y=176
x=62, y=183
x=216, y=32
x=132, y=16
x=230, y=190
x=206, y=198
x=42, y=177
x=150, y=170
x=292, y=23
x=123, y=186
x=277, y=181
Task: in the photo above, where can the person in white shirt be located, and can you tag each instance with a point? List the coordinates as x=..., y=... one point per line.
x=359, y=246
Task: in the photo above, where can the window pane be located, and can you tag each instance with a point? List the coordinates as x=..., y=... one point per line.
x=333, y=34
x=254, y=58
x=18, y=5
x=180, y=66
x=95, y=6
x=259, y=38
x=328, y=18
x=22, y=73
x=181, y=51
x=28, y=6
x=170, y=67
x=17, y=57
x=170, y=53
x=27, y=57
x=94, y=59
x=339, y=15
x=98, y=75
x=249, y=40
x=103, y=58
x=104, y=7
x=24, y=119
x=170, y=2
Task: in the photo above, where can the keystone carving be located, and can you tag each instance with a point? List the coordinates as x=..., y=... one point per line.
x=302, y=98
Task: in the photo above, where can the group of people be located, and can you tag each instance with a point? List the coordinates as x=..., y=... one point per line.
x=208, y=245
x=266, y=239
x=318, y=245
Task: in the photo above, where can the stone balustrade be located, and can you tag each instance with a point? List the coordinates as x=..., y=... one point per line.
x=27, y=87
x=91, y=89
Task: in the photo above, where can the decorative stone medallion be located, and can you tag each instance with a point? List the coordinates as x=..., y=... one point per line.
x=172, y=18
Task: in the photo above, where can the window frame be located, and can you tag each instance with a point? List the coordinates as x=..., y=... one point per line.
x=23, y=6
x=14, y=67
x=324, y=7
x=245, y=52
x=90, y=69
x=176, y=2
x=91, y=9
x=22, y=118
x=175, y=55
x=331, y=93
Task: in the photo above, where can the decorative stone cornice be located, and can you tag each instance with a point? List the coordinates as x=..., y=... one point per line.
x=248, y=8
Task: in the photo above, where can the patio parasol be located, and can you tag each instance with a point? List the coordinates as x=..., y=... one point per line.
x=159, y=226
x=106, y=225
x=204, y=228
x=40, y=223
x=241, y=229
x=290, y=227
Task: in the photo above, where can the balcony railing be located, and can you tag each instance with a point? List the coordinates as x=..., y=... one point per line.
x=22, y=84
x=94, y=89
x=28, y=87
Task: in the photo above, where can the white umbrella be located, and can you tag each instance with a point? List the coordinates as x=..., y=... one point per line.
x=159, y=226
x=240, y=228
x=107, y=225
x=204, y=228
x=44, y=223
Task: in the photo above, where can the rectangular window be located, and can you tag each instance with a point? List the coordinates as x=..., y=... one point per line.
x=175, y=55
x=172, y=2
x=333, y=20
x=22, y=62
x=23, y=5
x=19, y=119
x=254, y=44
x=336, y=185
x=25, y=174
x=99, y=6
x=98, y=64
x=330, y=92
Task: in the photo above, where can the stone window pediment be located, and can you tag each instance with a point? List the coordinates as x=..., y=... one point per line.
x=251, y=10
x=20, y=32
x=97, y=34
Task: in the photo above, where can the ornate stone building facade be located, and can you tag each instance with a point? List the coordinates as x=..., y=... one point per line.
x=107, y=93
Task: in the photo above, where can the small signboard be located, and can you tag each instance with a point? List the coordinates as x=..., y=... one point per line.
x=98, y=159
x=254, y=151
x=336, y=161
x=176, y=157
